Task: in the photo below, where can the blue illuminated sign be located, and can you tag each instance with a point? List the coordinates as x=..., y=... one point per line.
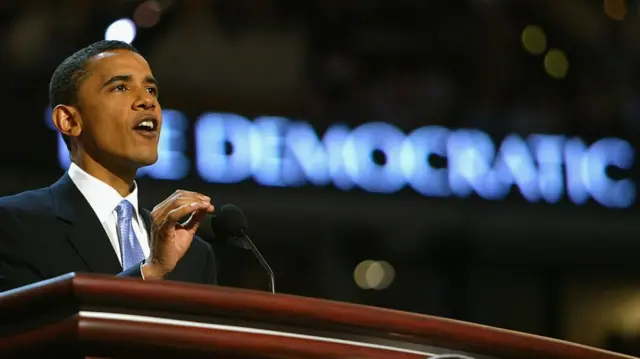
x=277, y=151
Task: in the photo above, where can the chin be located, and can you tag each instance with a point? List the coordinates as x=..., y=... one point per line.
x=150, y=161
x=144, y=161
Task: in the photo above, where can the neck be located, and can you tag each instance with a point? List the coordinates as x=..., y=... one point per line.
x=119, y=178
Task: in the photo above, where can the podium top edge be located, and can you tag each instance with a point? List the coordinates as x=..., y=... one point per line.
x=75, y=291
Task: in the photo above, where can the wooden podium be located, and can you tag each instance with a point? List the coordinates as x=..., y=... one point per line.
x=76, y=316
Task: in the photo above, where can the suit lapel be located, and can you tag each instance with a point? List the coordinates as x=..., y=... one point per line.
x=82, y=227
x=145, y=215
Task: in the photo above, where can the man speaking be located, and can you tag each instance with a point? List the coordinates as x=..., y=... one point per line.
x=105, y=105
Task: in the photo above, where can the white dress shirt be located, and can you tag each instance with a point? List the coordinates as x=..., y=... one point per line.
x=104, y=199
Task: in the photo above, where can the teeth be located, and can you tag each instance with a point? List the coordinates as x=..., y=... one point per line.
x=146, y=124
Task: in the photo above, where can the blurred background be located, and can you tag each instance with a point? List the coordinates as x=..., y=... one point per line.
x=471, y=159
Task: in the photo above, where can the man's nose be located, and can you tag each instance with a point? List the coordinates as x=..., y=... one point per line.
x=145, y=101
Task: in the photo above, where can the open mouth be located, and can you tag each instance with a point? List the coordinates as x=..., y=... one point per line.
x=147, y=126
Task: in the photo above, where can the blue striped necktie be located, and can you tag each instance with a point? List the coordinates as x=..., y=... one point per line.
x=129, y=245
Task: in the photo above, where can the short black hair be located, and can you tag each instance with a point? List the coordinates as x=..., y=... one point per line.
x=66, y=79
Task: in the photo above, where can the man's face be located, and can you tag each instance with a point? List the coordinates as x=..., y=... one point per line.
x=116, y=101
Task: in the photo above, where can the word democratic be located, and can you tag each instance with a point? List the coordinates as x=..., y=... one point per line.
x=379, y=157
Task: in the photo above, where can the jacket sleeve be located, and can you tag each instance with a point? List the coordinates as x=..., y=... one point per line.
x=134, y=272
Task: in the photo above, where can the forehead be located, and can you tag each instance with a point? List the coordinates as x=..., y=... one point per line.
x=117, y=62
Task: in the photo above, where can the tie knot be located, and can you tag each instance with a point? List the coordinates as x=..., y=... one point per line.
x=124, y=210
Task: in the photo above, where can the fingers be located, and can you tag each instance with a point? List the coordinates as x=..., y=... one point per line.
x=207, y=208
x=184, y=220
x=194, y=220
x=181, y=197
x=183, y=193
x=167, y=245
x=174, y=215
x=178, y=199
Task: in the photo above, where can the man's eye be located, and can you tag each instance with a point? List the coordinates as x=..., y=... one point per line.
x=152, y=90
x=120, y=88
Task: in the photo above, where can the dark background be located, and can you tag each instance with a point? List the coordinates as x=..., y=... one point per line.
x=560, y=270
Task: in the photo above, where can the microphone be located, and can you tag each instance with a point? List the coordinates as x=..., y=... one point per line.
x=207, y=233
x=230, y=224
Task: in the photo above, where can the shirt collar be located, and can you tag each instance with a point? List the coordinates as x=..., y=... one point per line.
x=101, y=197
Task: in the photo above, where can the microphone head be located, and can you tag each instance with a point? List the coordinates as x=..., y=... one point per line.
x=229, y=222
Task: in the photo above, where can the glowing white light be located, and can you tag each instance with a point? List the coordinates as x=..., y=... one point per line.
x=123, y=30
x=278, y=151
x=372, y=274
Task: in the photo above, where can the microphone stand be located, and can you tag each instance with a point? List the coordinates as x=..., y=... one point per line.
x=260, y=258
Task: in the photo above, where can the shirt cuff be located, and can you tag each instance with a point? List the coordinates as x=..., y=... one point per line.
x=141, y=272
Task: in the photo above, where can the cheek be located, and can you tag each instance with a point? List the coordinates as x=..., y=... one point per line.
x=109, y=129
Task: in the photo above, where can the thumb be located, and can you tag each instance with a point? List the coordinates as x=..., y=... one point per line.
x=194, y=221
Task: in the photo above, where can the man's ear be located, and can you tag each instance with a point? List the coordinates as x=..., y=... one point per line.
x=67, y=120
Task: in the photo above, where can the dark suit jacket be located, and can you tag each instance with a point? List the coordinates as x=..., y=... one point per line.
x=52, y=231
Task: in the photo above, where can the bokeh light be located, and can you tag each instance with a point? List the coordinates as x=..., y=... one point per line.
x=147, y=14
x=615, y=9
x=370, y=274
x=556, y=64
x=123, y=30
x=534, y=39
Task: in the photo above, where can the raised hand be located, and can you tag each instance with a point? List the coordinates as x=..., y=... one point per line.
x=171, y=239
